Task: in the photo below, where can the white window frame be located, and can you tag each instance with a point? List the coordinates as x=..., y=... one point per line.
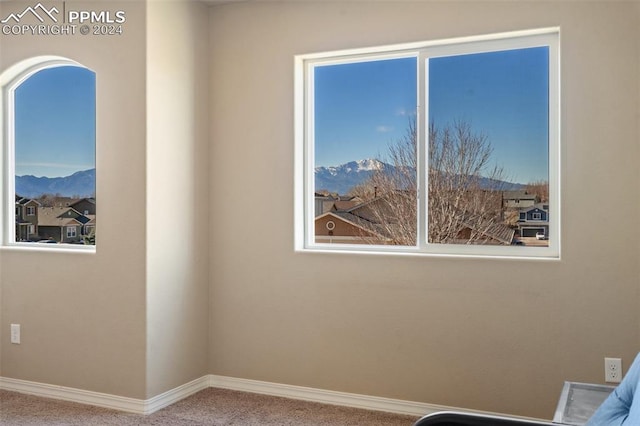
x=10, y=80
x=31, y=211
x=304, y=139
x=72, y=231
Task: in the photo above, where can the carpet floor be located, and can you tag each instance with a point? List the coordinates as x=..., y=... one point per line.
x=212, y=406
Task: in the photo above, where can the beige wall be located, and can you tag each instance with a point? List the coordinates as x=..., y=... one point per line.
x=131, y=319
x=496, y=335
x=177, y=194
x=83, y=315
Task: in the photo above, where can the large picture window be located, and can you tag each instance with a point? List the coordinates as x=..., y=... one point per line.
x=444, y=147
x=48, y=133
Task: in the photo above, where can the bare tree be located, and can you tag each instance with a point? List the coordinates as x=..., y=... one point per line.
x=391, y=193
x=464, y=194
x=540, y=189
x=464, y=190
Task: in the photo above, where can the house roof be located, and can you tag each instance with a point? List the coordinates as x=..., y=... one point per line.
x=345, y=205
x=54, y=201
x=23, y=201
x=518, y=195
x=90, y=200
x=327, y=205
x=538, y=206
x=83, y=219
x=361, y=216
x=495, y=231
x=53, y=216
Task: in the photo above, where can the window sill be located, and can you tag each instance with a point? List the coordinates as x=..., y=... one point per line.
x=49, y=248
x=535, y=255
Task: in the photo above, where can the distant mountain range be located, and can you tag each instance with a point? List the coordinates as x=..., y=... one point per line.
x=341, y=179
x=82, y=184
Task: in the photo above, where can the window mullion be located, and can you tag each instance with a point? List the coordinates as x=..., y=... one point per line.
x=470, y=211
x=422, y=127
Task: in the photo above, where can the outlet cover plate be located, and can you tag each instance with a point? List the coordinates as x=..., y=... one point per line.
x=613, y=370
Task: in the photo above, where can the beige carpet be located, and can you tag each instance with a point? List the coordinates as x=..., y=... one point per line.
x=209, y=407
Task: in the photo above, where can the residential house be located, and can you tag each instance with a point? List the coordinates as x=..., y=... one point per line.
x=533, y=220
x=518, y=199
x=89, y=226
x=35, y=222
x=86, y=206
x=345, y=227
x=329, y=202
x=26, y=218
x=490, y=234
x=49, y=200
x=352, y=221
x=361, y=224
x=64, y=225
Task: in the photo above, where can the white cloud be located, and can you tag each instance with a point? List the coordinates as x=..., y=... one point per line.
x=401, y=112
x=384, y=129
x=57, y=165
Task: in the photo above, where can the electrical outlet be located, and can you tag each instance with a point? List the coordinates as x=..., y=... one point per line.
x=15, y=333
x=612, y=370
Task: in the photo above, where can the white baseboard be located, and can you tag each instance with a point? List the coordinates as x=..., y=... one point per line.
x=115, y=402
x=174, y=395
x=131, y=405
x=366, y=402
x=139, y=406
x=326, y=397
x=148, y=406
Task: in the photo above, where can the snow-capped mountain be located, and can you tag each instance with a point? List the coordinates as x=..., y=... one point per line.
x=82, y=184
x=340, y=179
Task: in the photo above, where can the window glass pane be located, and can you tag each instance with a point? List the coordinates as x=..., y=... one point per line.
x=488, y=148
x=54, y=146
x=365, y=152
x=481, y=153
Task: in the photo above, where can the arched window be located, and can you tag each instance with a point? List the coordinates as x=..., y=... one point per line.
x=49, y=156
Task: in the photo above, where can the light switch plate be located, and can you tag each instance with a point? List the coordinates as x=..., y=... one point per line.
x=15, y=333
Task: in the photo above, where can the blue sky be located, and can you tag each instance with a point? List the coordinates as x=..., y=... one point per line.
x=361, y=108
x=55, y=122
